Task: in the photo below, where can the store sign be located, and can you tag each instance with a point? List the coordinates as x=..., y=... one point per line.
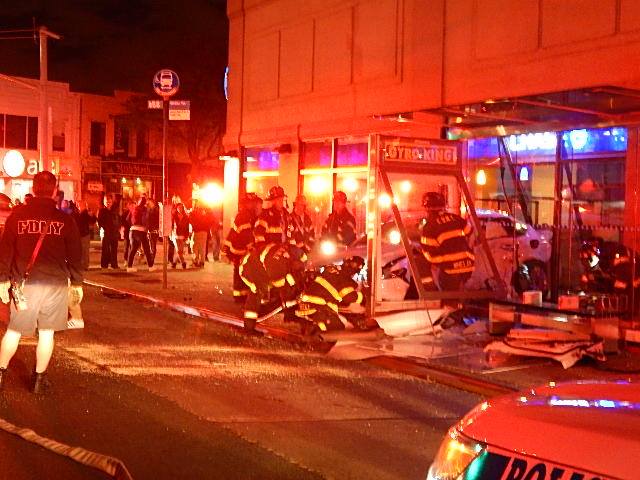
x=14, y=165
x=131, y=169
x=180, y=110
x=95, y=187
x=435, y=154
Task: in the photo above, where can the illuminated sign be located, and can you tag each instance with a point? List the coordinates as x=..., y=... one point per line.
x=13, y=163
x=579, y=141
x=440, y=154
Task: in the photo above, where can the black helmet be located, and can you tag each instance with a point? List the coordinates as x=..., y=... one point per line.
x=352, y=265
x=249, y=199
x=434, y=200
x=276, y=192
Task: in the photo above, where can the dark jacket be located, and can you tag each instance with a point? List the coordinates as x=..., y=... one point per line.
x=240, y=237
x=341, y=227
x=109, y=221
x=272, y=226
x=138, y=217
x=332, y=287
x=303, y=235
x=181, y=224
x=85, y=221
x=445, y=243
x=59, y=258
x=153, y=219
x=201, y=220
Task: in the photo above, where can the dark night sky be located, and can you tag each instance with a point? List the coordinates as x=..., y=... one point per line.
x=120, y=44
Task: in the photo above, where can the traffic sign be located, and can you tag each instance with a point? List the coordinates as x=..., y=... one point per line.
x=179, y=110
x=154, y=104
x=166, y=83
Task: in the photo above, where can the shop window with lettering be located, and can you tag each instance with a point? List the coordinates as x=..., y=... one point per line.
x=261, y=170
x=58, y=137
x=98, y=135
x=15, y=131
x=121, y=138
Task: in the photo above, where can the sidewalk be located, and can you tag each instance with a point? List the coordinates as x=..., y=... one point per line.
x=207, y=292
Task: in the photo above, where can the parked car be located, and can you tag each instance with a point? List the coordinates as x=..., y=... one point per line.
x=507, y=238
x=572, y=431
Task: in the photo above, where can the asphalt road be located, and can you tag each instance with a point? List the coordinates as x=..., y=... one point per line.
x=177, y=397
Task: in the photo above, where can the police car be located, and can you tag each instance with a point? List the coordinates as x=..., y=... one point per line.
x=571, y=431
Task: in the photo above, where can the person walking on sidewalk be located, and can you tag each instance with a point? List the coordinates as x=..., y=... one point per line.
x=153, y=220
x=85, y=220
x=201, y=221
x=138, y=235
x=127, y=212
x=181, y=225
x=40, y=254
x=109, y=221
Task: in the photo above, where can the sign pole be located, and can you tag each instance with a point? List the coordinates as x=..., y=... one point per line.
x=165, y=83
x=165, y=190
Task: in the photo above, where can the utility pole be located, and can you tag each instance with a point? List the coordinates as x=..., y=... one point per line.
x=44, y=121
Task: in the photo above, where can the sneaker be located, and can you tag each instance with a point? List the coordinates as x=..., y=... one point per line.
x=132, y=269
x=3, y=375
x=152, y=268
x=173, y=265
x=74, y=323
x=40, y=383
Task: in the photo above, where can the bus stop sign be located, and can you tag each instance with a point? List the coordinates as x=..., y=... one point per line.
x=166, y=83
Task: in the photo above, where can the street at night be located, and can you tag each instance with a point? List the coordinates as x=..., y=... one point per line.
x=178, y=397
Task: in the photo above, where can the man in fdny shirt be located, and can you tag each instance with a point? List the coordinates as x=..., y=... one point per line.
x=46, y=289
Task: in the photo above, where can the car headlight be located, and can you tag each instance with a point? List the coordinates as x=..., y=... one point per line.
x=454, y=456
x=394, y=237
x=328, y=247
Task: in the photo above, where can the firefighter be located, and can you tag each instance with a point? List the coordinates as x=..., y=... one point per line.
x=609, y=268
x=445, y=246
x=240, y=240
x=273, y=222
x=340, y=225
x=303, y=234
x=329, y=289
x=273, y=273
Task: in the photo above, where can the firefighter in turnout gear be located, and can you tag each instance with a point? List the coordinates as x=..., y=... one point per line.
x=340, y=225
x=273, y=273
x=303, y=234
x=273, y=223
x=240, y=240
x=331, y=288
x=609, y=268
x=445, y=246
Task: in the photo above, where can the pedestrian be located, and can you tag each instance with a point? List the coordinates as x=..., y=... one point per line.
x=39, y=255
x=332, y=287
x=273, y=273
x=181, y=226
x=445, y=246
x=240, y=240
x=109, y=221
x=273, y=222
x=126, y=227
x=201, y=221
x=303, y=233
x=153, y=220
x=85, y=220
x=213, y=239
x=340, y=225
x=138, y=235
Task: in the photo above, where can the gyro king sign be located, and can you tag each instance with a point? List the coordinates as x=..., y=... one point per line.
x=422, y=153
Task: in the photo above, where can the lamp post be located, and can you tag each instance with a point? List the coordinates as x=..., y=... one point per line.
x=44, y=115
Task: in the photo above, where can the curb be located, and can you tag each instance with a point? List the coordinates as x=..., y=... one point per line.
x=440, y=375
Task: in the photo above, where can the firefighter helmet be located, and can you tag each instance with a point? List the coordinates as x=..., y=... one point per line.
x=352, y=265
x=433, y=200
x=300, y=200
x=249, y=199
x=340, y=197
x=276, y=192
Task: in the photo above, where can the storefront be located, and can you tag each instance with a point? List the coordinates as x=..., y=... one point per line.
x=132, y=180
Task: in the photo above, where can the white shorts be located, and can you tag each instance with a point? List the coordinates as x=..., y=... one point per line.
x=47, y=309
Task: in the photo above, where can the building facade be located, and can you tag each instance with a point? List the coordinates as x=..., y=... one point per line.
x=94, y=144
x=555, y=92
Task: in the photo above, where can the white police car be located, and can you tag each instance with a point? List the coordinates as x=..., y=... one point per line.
x=571, y=431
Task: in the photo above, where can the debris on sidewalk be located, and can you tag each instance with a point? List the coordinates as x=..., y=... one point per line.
x=565, y=347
